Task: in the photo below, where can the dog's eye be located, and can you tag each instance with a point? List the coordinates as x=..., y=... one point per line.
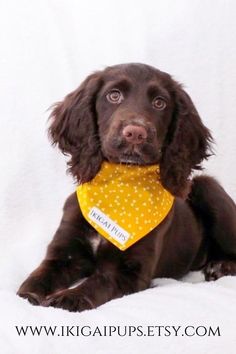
x=115, y=96
x=159, y=103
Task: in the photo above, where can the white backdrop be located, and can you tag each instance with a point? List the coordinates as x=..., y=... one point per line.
x=48, y=47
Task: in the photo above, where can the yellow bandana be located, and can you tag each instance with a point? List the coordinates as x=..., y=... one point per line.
x=124, y=202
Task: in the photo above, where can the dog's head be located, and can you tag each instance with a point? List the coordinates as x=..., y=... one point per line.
x=134, y=114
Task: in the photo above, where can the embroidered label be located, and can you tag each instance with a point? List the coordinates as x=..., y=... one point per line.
x=108, y=225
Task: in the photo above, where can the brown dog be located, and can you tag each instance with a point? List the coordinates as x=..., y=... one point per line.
x=137, y=115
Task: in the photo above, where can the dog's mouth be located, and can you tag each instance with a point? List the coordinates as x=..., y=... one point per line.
x=146, y=156
x=117, y=150
x=132, y=159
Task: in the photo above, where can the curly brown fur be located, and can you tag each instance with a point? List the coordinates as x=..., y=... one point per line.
x=74, y=129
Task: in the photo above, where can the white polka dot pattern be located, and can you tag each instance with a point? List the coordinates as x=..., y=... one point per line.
x=131, y=197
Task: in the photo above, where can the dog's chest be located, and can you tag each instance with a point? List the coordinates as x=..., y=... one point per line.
x=96, y=242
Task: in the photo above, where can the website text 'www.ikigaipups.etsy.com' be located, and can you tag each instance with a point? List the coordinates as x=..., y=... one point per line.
x=119, y=331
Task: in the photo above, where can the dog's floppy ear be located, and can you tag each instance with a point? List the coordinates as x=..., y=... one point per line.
x=74, y=129
x=187, y=143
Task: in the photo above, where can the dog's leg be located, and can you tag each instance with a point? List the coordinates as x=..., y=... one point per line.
x=117, y=274
x=217, y=212
x=69, y=257
x=101, y=287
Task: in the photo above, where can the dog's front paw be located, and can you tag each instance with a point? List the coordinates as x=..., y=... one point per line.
x=33, y=298
x=70, y=300
x=33, y=290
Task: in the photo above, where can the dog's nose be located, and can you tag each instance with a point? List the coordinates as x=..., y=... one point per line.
x=134, y=134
